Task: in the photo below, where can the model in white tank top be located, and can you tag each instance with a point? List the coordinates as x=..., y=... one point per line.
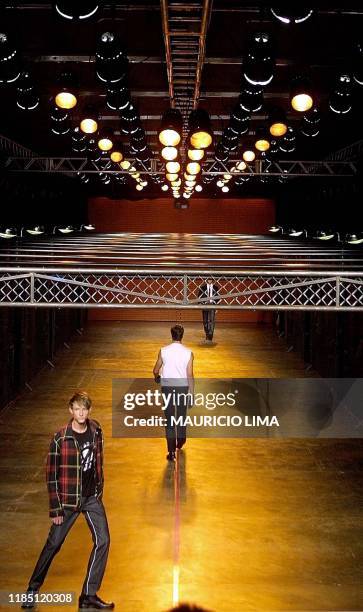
x=175, y=357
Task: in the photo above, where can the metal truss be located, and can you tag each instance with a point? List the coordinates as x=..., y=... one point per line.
x=264, y=291
x=288, y=168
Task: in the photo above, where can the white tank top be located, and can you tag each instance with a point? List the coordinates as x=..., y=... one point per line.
x=175, y=357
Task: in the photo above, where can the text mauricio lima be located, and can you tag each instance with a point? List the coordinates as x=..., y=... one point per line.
x=204, y=421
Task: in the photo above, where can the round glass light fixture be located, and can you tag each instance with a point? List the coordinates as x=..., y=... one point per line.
x=66, y=96
x=169, y=153
x=116, y=156
x=171, y=128
x=193, y=168
x=200, y=135
x=249, y=156
x=172, y=176
x=301, y=96
x=89, y=126
x=172, y=167
x=195, y=154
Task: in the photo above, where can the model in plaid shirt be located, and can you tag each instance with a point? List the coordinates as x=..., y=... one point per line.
x=75, y=484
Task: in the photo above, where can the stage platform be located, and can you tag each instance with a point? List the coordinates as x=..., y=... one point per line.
x=130, y=270
x=266, y=525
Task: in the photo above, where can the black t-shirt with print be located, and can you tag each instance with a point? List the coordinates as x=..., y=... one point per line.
x=87, y=456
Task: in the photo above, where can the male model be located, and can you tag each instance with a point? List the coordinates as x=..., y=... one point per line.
x=75, y=483
x=209, y=293
x=175, y=361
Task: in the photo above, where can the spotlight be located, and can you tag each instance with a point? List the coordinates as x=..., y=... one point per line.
x=89, y=120
x=111, y=59
x=340, y=101
x=77, y=136
x=176, y=183
x=83, y=177
x=139, y=187
x=8, y=232
x=241, y=166
x=66, y=95
x=198, y=188
x=301, y=96
x=171, y=128
x=229, y=144
x=288, y=142
x=354, y=238
x=172, y=167
x=89, y=227
x=239, y=120
x=262, y=142
x=36, y=230
x=190, y=183
x=76, y=10
x=169, y=153
x=258, y=68
x=9, y=60
x=249, y=156
x=200, y=134
x=292, y=15
x=64, y=229
x=27, y=99
x=311, y=123
x=297, y=233
x=321, y=235
x=277, y=121
x=105, y=140
x=227, y=177
x=221, y=155
x=275, y=229
x=195, y=154
x=118, y=98
x=251, y=99
x=358, y=63
x=60, y=127
x=225, y=189
x=220, y=183
x=172, y=176
x=193, y=168
x=93, y=152
x=125, y=164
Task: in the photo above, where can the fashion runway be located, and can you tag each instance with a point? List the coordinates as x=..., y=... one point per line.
x=234, y=525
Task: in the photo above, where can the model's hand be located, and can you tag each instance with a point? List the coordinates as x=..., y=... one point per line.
x=57, y=520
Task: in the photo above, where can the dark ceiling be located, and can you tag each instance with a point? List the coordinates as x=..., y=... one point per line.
x=320, y=47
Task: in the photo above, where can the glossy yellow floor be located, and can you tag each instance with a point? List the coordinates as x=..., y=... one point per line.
x=265, y=525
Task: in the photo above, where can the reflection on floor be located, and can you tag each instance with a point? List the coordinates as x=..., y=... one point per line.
x=264, y=524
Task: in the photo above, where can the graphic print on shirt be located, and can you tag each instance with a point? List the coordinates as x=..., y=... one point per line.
x=86, y=450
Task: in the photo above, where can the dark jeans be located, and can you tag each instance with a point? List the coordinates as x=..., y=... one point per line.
x=95, y=515
x=175, y=434
x=209, y=320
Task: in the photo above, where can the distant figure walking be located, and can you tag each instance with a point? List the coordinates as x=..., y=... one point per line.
x=175, y=362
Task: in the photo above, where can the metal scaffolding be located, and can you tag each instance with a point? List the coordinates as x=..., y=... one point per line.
x=167, y=271
x=288, y=168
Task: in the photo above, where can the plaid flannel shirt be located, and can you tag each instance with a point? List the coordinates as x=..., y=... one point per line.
x=64, y=471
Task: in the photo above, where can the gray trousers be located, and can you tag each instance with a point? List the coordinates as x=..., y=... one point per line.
x=95, y=515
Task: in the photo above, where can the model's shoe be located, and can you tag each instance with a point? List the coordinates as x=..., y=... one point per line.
x=94, y=602
x=30, y=602
x=170, y=456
